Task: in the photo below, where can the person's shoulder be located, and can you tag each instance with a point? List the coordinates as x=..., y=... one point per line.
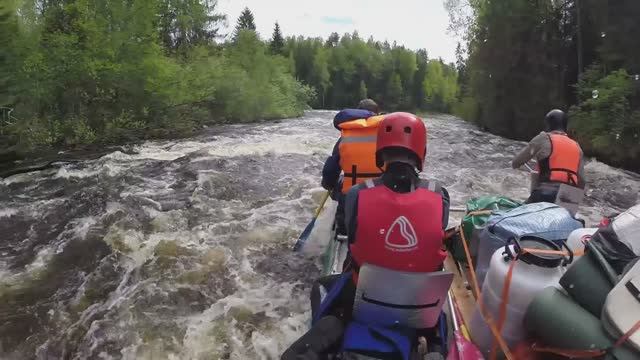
x=432, y=185
x=369, y=184
x=541, y=136
x=347, y=115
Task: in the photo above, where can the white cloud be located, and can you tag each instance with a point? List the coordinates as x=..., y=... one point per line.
x=413, y=23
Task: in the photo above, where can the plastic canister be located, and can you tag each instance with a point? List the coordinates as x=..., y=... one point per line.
x=532, y=273
x=543, y=220
x=577, y=239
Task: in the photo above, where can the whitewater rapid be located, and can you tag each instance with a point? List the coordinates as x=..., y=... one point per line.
x=181, y=249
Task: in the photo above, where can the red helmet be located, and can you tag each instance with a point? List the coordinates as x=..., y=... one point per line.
x=405, y=131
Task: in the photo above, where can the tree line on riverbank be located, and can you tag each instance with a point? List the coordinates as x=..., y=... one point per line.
x=525, y=57
x=95, y=71
x=85, y=71
x=343, y=70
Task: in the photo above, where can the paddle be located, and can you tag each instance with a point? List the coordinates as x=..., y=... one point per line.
x=307, y=231
x=530, y=169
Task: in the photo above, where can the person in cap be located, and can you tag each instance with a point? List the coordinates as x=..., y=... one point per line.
x=560, y=159
x=353, y=155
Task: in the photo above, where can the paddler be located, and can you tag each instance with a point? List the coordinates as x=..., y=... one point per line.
x=559, y=158
x=352, y=154
x=396, y=221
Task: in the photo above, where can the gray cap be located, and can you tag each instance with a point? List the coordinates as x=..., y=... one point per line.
x=368, y=104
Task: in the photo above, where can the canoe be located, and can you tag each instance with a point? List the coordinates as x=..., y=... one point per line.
x=332, y=264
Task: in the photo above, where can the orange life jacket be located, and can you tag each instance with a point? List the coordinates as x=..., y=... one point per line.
x=564, y=162
x=358, y=151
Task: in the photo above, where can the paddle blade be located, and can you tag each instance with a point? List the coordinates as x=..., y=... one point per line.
x=304, y=236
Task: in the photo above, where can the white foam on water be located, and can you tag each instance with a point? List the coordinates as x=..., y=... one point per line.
x=16, y=279
x=81, y=226
x=255, y=315
x=167, y=152
x=25, y=177
x=267, y=340
x=65, y=172
x=269, y=144
x=8, y=212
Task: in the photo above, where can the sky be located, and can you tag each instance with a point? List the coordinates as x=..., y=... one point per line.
x=415, y=24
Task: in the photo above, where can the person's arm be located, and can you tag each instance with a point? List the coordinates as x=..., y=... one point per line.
x=530, y=151
x=331, y=170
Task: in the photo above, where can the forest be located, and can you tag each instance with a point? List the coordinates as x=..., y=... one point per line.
x=521, y=58
x=343, y=70
x=75, y=72
x=94, y=71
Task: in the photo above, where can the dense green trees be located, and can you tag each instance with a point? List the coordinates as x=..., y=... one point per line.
x=526, y=57
x=345, y=69
x=81, y=71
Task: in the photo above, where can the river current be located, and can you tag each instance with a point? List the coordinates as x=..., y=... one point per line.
x=182, y=249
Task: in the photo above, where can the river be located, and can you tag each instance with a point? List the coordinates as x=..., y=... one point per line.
x=181, y=249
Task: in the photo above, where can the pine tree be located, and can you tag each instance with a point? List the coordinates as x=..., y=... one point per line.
x=277, y=41
x=333, y=40
x=246, y=21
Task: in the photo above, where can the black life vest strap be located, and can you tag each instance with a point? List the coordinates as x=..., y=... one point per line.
x=570, y=178
x=355, y=175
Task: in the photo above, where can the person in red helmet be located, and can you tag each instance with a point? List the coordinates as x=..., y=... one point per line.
x=396, y=221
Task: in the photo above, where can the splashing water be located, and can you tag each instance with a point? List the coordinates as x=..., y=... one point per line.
x=182, y=250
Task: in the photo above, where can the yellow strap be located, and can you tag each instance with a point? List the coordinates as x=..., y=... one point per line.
x=324, y=200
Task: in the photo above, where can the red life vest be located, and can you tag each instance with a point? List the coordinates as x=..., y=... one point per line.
x=564, y=162
x=399, y=231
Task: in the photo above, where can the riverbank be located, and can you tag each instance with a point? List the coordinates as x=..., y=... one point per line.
x=18, y=158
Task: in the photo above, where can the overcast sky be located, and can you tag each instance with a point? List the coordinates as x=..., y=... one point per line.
x=413, y=23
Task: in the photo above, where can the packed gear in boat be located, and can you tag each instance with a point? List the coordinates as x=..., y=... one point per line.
x=478, y=211
x=542, y=285
x=545, y=311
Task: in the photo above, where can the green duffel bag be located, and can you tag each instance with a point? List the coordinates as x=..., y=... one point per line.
x=479, y=210
x=555, y=320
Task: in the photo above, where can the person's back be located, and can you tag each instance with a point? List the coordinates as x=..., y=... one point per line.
x=353, y=154
x=398, y=220
x=559, y=159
